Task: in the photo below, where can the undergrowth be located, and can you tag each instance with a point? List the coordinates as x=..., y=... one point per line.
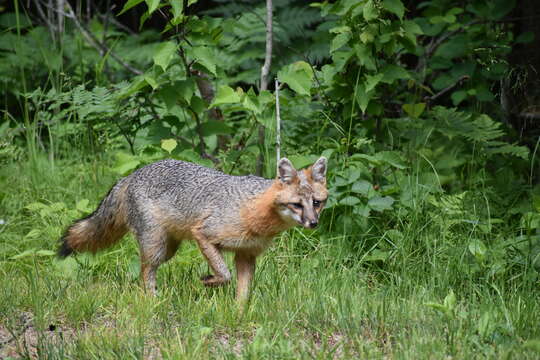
x=315, y=296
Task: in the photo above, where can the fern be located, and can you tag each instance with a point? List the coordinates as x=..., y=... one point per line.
x=479, y=129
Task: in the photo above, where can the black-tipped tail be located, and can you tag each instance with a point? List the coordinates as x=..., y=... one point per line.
x=64, y=250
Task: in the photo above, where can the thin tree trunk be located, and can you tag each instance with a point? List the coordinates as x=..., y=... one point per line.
x=264, y=80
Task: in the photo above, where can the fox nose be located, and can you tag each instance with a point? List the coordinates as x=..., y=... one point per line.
x=313, y=223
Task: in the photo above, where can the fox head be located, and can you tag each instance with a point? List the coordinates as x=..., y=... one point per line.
x=302, y=194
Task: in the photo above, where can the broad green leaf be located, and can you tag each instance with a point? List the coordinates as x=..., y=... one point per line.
x=394, y=6
x=197, y=104
x=362, y=187
x=164, y=54
x=177, y=8
x=251, y=102
x=381, y=203
x=168, y=145
x=340, y=40
x=458, y=96
x=370, y=11
x=129, y=5
x=367, y=37
x=205, y=56
x=152, y=5
x=298, y=76
x=186, y=89
x=393, y=73
x=362, y=97
x=450, y=300
x=169, y=95
x=125, y=163
x=393, y=158
x=213, y=127
x=349, y=201
x=225, y=95
x=151, y=81
x=301, y=161
x=372, y=81
x=414, y=110
x=477, y=249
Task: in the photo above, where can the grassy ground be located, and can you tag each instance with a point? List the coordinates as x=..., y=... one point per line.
x=314, y=296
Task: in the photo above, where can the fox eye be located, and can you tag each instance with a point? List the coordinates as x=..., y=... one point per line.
x=297, y=205
x=316, y=203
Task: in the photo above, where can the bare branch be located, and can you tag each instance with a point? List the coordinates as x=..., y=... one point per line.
x=446, y=89
x=100, y=47
x=264, y=78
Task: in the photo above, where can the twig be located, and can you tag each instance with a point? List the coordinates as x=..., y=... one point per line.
x=99, y=46
x=278, y=124
x=264, y=79
x=446, y=89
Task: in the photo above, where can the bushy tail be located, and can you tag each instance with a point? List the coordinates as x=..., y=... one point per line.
x=101, y=229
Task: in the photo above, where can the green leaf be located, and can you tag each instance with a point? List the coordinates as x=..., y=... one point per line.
x=414, y=110
x=125, y=163
x=381, y=203
x=177, y=8
x=151, y=81
x=129, y=5
x=213, y=127
x=185, y=89
x=533, y=344
x=369, y=11
x=251, y=102
x=394, y=6
x=298, y=76
x=205, y=56
x=164, y=54
x=340, y=40
x=450, y=300
x=478, y=249
x=372, y=81
x=349, y=201
x=393, y=158
x=168, y=145
x=152, y=5
x=458, y=96
x=362, y=187
x=362, y=97
x=393, y=73
x=225, y=95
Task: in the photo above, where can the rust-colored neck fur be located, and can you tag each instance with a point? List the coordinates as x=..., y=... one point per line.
x=261, y=217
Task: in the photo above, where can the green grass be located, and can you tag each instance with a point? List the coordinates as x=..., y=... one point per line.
x=315, y=295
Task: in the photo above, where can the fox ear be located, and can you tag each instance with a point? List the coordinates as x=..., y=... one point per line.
x=286, y=171
x=318, y=170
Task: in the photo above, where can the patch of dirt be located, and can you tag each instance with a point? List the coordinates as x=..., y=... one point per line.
x=21, y=339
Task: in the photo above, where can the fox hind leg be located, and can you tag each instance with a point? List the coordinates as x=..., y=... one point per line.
x=155, y=249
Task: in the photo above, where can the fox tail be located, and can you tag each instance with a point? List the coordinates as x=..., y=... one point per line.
x=99, y=230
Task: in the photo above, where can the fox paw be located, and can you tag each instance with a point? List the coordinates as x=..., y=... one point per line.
x=212, y=281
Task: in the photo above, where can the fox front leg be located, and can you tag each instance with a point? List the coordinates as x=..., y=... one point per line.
x=245, y=268
x=215, y=260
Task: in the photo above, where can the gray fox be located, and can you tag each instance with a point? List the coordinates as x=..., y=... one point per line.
x=168, y=201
